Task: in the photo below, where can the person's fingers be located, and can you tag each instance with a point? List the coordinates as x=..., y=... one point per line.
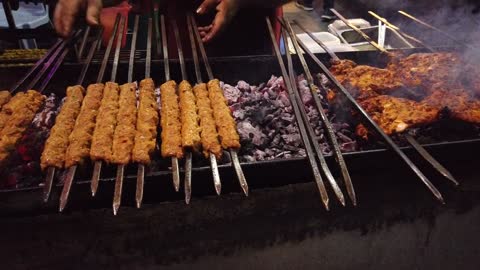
x=218, y=23
x=94, y=7
x=204, y=28
x=64, y=16
x=206, y=6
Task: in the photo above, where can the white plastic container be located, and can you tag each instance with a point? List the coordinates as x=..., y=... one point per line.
x=328, y=39
x=338, y=25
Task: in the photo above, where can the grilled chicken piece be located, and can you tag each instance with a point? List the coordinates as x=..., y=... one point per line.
x=124, y=136
x=457, y=100
x=106, y=122
x=366, y=82
x=340, y=68
x=170, y=121
x=395, y=115
x=189, y=116
x=53, y=154
x=80, y=139
x=425, y=69
x=147, y=123
x=209, y=135
x=21, y=117
x=226, y=125
x=4, y=97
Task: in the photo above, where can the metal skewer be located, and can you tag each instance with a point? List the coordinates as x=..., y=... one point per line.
x=301, y=125
x=398, y=31
x=71, y=171
x=236, y=162
x=373, y=124
x=213, y=160
x=188, y=156
x=84, y=42
x=360, y=32
x=337, y=153
x=175, y=166
x=424, y=153
x=141, y=167
x=37, y=65
x=119, y=20
x=117, y=195
x=433, y=28
x=310, y=132
x=51, y=170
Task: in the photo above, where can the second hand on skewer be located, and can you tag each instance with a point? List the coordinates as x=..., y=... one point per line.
x=337, y=153
x=213, y=159
x=233, y=152
x=372, y=123
x=417, y=146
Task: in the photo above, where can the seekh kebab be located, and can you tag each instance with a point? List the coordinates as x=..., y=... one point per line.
x=147, y=122
x=53, y=154
x=170, y=121
x=80, y=139
x=124, y=136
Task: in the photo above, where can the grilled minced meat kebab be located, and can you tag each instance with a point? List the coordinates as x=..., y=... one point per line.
x=106, y=122
x=147, y=122
x=208, y=129
x=80, y=139
x=53, y=154
x=189, y=117
x=22, y=111
x=226, y=126
x=124, y=137
x=5, y=97
x=170, y=121
x=8, y=108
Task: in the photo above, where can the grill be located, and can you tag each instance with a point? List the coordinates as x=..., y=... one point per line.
x=462, y=145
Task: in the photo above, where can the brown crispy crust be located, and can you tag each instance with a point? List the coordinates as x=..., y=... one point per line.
x=124, y=137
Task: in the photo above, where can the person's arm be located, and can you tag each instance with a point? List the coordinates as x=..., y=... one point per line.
x=66, y=12
x=226, y=10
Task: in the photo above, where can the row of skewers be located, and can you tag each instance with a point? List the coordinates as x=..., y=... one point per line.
x=345, y=74
x=104, y=124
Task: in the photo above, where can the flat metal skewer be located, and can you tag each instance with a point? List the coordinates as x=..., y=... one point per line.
x=71, y=171
x=117, y=194
x=360, y=32
x=97, y=168
x=213, y=160
x=37, y=65
x=51, y=171
x=419, y=148
x=238, y=169
x=398, y=31
x=301, y=125
x=84, y=42
x=310, y=132
x=433, y=28
x=141, y=167
x=337, y=153
x=373, y=124
x=188, y=156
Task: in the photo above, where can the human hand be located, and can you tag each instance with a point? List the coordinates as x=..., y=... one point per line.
x=226, y=10
x=66, y=12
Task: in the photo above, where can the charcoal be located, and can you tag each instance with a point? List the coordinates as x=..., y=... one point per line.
x=243, y=86
x=232, y=94
x=266, y=122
